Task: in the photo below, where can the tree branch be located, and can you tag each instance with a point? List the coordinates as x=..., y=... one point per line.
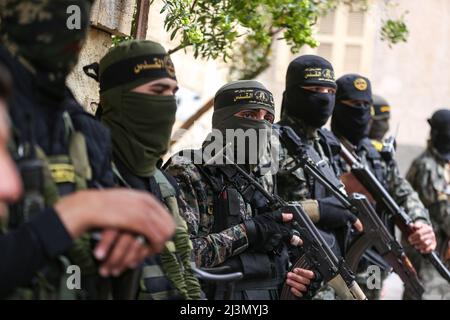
x=209, y=104
x=177, y=48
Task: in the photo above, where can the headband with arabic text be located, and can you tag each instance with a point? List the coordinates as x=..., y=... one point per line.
x=247, y=96
x=151, y=66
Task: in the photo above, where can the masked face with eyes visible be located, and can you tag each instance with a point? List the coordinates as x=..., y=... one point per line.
x=353, y=109
x=310, y=91
x=380, y=118
x=137, y=97
x=243, y=115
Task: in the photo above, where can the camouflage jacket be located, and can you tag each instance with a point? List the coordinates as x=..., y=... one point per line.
x=388, y=174
x=430, y=177
x=197, y=207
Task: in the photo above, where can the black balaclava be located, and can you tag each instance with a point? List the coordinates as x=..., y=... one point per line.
x=243, y=95
x=352, y=122
x=380, y=118
x=440, y=132
x=314, y=109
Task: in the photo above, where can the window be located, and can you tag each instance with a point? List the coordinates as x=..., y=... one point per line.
x=325, y=50
x=352, y=58
x=346, y=40
x=326, y=24
x=355, y=24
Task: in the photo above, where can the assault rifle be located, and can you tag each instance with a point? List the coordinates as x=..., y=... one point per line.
x=388, y=204
x=316, y=253
x=375, y=233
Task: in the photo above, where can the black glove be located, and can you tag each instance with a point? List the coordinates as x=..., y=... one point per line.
x=266, y=231
x=333, y=214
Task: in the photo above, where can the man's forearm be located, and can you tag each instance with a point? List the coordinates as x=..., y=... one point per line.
x=215, y=248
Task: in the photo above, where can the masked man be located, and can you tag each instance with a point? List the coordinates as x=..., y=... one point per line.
x=137, y=98
x=60, y=150
x=350, y=123
x=228, y=228
x=308, y=102
x=380, y=118
x=429, y=175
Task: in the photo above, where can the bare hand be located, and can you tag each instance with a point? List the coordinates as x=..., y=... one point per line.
x=299, y=280
x=122, y=209
x=119, y=252
x=423, y=239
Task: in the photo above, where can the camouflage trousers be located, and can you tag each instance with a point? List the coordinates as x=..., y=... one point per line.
x=326, y=293
x=436, y=287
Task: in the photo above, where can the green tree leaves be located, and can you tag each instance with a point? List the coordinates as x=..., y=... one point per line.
x=242, y=31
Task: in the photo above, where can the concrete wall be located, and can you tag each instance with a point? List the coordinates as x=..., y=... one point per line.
x=198, y=76
x=414, y=77
x=108, y=17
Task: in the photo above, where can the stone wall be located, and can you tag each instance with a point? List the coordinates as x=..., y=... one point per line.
x=108, y=17
x=414, y=76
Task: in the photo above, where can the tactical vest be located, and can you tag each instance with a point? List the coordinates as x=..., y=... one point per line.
x=372, y=157
x=337, y=239
x=45, y=179
x=264, y=273
x=168, y=275
x=326, y=163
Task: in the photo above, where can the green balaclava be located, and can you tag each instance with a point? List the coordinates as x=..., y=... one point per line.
x=237, y=96
x=140, y=124
x=46, y=37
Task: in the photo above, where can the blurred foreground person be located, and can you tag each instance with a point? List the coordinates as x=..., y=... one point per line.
x=60, y=150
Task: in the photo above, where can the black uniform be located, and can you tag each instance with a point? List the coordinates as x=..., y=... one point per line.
x=39, y=121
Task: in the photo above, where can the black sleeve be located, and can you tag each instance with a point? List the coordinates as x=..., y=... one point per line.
x=98, y=142
x=25, y=250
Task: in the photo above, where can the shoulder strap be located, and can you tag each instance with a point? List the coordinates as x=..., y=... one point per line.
x=332, y=148
x=374, y=159
x=166, y=186
x=329, y=142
